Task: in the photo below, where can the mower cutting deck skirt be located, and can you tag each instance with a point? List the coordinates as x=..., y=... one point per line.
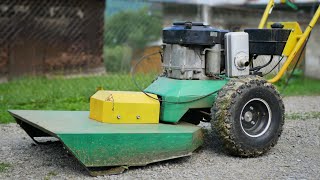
x=102, y=145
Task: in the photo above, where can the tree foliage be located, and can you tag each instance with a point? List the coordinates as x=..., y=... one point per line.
x=132, y=28
x=126, y=32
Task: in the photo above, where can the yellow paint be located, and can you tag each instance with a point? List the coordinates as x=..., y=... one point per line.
x=297, y=47
x=266, y=13
x=293, y=38
x=124, y=107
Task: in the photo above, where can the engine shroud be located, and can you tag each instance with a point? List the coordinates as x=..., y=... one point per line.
x=192, y=51
x=187, y=33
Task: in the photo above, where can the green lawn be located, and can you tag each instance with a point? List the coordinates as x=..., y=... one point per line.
x=60, y=93
x=300, y=86
x=73, y=94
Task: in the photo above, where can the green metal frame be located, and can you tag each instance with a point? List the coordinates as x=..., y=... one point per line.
x=179, y=91
x=97, y=144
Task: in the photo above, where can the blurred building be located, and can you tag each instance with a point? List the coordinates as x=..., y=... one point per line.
x=50, y=36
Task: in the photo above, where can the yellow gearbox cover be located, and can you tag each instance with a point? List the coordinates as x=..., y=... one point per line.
x=124, y=107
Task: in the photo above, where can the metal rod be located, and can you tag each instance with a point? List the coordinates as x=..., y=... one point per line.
x=297, y=47
x=266, y=13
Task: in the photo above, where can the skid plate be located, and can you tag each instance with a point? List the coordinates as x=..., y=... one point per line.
x=97, y=144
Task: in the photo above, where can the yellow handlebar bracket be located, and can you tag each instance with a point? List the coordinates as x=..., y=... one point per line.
x=297, y=47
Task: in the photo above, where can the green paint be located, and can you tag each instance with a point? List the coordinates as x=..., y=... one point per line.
x=292, y=5
x=174, y=90
x=127, y=149
x=97, y=144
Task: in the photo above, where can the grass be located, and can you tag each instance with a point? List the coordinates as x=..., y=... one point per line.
x=303, y=116
x=60, y=93
x=4, y=167
x=49, y=175
x=299, y=87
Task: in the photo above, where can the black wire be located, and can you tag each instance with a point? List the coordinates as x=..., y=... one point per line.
x=295, y=65
x=274, y=66
x=142, y=58
x=183, y=102
x=136, y=84
x=254, y=56
x=260, y=67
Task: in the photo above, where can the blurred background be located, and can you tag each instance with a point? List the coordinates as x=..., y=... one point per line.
x=54, y=54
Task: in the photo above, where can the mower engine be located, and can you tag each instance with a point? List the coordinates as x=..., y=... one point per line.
x=197, y=51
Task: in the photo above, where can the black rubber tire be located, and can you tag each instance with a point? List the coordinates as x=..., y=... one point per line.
x=229, y=105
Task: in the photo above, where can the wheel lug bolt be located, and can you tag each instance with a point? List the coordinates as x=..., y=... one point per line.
x=251, y=108
x=253, y=123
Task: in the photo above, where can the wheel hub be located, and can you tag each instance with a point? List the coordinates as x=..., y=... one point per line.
x=255, y=117
x=248, y=116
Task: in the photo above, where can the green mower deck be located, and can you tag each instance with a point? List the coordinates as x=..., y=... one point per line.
x=100, y=145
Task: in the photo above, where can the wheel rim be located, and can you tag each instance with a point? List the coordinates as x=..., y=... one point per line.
x=255, y=117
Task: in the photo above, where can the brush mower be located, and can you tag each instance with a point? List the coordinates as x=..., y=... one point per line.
x=209, y=75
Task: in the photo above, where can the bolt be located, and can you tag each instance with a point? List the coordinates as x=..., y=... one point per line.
x=253, y=123
x=242, y=118
x=118, y=117
x=138, y=117
x=251, y=108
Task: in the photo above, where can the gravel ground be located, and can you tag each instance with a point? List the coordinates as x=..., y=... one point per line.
x=297, y=156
